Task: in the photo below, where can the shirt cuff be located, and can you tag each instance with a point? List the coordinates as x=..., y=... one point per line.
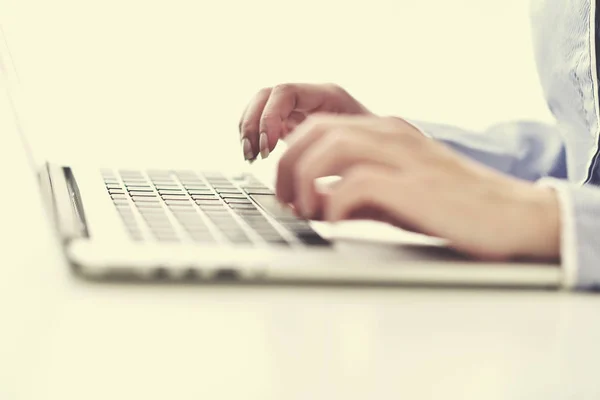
x=568, y=235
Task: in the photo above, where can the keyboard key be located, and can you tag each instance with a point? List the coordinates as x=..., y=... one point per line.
x=225, y=184
x=196, y=187
x=149, y=212
x=203, y=238
x=238, y=201
x=183, y=215
x=130, y=173
x=257, y=221
x=231, y=196
x=259, y=191
x=127, y=215
x=175, y=192
x=253, y=184
x=159, y=216
x=226, y=190
x=119, y=196
x=164, y=182
x=272, y=237
x=130, y=182
x=237, y=236
x=204, y=190
x=216, y=211
x=249, y=213
x=174, y=197
x=138, y=187
x=243, y=206
x=193, y=222
x=145, y=199
x=219, y=216
x=224, y=223
x=313, y=239
x=163, y=229
x=168, y=239
x=121, y=202
x=148, y=205
x=133, y=190
x=191, y=181
x=181, y=206
x=195, y=227
x=116, y=191
x=110, y=186
x=272, y=206
x=205, y=197
x=213, y=207
x=209, y=202
x=139, y=194
x=236, y=192
x=202, y=195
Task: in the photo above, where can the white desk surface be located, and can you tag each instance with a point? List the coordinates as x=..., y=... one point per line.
x=61, y=338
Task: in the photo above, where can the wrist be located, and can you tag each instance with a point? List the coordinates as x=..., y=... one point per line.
x=539, y=223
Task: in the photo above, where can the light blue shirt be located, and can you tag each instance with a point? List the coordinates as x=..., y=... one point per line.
x=564, y=155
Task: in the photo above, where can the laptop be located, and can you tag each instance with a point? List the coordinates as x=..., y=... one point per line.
x=187, y=225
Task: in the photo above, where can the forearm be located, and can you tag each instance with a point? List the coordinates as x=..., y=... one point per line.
x=525, y=150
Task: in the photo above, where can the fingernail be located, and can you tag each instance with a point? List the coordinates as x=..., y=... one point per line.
x=264, y=145
x=247, y=148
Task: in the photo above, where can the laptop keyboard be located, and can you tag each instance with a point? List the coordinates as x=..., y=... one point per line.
x=207, y=208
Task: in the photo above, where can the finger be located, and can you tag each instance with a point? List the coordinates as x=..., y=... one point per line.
x=294, y=120
x=332, y=154
x=309, y=133
x=363, y=187
x=364, y=213
x=249, y=124
x=283, y=101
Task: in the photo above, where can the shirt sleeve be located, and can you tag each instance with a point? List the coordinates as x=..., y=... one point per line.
x=523, y=149
x=536, y=152
x=580, y=230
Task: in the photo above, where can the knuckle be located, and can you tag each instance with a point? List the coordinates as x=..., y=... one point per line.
x=338, y=143
x=247, y=126
x=264, y=91
x=284, y=88
x=267, y=117
x=393, y=121
x=334, y=88
x=361, y=176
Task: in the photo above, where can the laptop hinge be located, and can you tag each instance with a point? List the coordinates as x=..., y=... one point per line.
x=66, y=204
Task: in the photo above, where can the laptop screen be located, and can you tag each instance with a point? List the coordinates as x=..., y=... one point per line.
x=16, y=107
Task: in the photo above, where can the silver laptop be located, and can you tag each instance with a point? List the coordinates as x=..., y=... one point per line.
x=209, y=226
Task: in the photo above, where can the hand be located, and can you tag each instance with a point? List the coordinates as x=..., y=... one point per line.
x=274, y=112
x=391, y=172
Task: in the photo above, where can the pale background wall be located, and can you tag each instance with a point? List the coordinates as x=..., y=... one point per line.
x=133, y=79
